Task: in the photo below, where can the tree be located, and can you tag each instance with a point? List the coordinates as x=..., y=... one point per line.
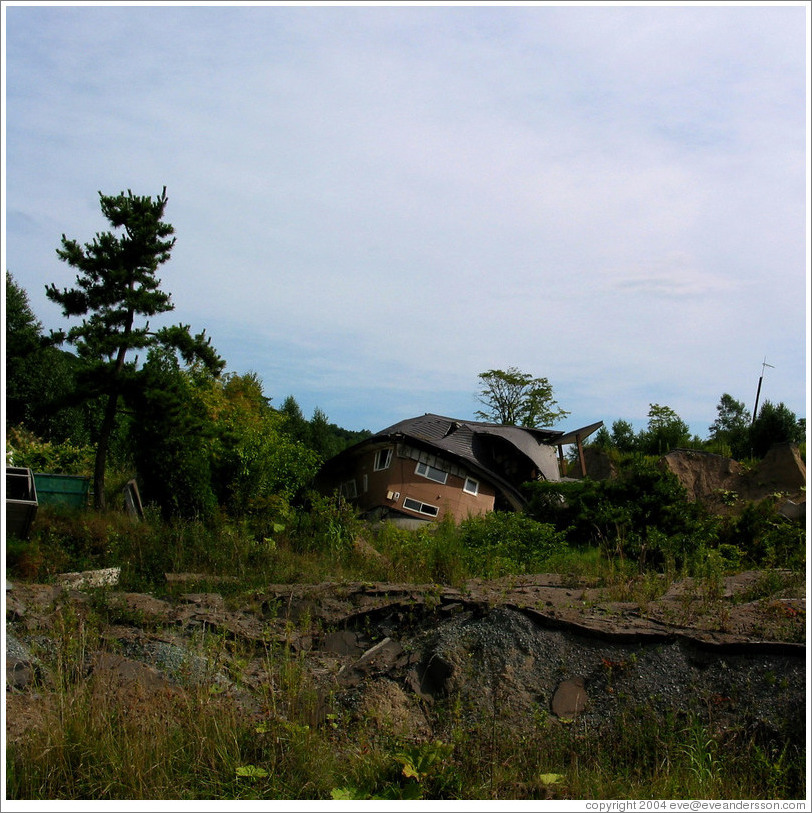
x=116, y=293
x=731, y=428
x=666, y=431
x=23, y=348
x=775, y=424
x=40, y=378
x=516, y=398
x=170, y=437
x=623, y=436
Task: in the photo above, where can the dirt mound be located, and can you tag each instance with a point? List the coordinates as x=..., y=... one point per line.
x=724, y=486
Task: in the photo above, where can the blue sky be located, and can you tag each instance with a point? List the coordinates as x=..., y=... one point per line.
x=374, y=204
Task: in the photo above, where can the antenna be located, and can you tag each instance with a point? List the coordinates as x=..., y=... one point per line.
x=758, y=391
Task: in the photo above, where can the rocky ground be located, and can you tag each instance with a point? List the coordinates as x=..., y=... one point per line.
x=733, y=650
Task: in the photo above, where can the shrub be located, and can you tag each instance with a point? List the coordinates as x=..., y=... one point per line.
x=26, y=450
x=643, y=514
x=502, y=543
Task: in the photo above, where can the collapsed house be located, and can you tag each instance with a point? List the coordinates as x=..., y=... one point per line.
x=422, y=469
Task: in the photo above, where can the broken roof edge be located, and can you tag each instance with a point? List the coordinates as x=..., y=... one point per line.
x=575, y=434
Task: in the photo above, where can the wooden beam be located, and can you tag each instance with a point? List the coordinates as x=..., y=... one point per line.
x=581, y=455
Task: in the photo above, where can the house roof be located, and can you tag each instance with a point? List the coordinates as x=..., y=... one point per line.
x=457, y=436
x=464, y=440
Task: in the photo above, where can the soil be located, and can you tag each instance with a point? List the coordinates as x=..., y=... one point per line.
x=732, y=650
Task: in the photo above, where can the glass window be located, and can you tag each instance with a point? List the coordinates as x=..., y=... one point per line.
x=349, y=490
x=383, y=457
x=431, y=473
x=471, y=486
x=421, y=507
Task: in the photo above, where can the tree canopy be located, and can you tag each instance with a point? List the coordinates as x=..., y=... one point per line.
x=517, y=398
x=116, y=293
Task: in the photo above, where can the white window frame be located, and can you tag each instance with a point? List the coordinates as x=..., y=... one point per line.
x=378, y=455
x=471, y=490
x=349, y=489
x=428, y=470
x=420, y=507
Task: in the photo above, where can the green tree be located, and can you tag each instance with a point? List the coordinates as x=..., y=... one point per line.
x=170, y=437
x=516, y=398
x=295, y=423
x=665, y=431
x=23, y=351
x=731, y=428
x=602, y=439
x=775, y=423
x=116, y=293
x=254, y=461
x=40, y=378
x=624, y=437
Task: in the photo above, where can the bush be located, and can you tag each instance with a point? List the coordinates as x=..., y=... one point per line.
x=643, y=514
x=26, y=450
x=502, y=543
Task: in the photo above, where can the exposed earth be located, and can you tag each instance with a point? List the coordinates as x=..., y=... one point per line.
x=730, y=649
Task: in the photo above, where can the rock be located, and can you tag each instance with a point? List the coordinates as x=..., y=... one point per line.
x=116, y=669
x=379, y=658
x=342, y=642
x=90, y=578
x=19, y=674
x=724, y=486
x=570, y=698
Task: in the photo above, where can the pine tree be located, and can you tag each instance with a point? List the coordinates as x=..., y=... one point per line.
x=116, y=293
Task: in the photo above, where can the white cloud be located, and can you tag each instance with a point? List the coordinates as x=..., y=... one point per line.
x=385, y=201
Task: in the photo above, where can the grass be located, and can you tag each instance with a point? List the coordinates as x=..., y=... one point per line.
x=95, y=743
x=95, y=740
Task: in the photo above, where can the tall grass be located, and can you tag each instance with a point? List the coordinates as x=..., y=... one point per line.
x=101, y=744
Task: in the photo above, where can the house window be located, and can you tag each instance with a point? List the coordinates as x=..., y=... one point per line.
x=471, y=486
x=383, y=457
x=431, y=473
x=365, y=481
x=420, y=507
x=349, y=490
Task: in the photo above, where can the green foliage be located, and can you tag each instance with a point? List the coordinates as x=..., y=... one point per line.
x=665, y=431
x=730, y=432
x=513, y=397
x=324, y=438
x=502, y=543
x=252, y=457
x=328, y=524
x=169, y=433
x=775, y=424
x=26, y=450
x=623, y=436
x=643, y=514
x=763, y=536
x=40, y=379
x=116, y=293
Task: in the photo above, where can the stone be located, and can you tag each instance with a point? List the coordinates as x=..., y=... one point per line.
x=341, y=642
x=19, y=674
x=570, y=698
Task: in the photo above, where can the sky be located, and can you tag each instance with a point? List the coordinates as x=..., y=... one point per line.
x=374, y=204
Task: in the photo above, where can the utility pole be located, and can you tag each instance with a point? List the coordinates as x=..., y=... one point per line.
x=758, y=391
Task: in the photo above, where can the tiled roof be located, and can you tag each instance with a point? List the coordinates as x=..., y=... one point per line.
x=457, y=436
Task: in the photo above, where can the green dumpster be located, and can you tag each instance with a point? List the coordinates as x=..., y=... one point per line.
x=62, y=489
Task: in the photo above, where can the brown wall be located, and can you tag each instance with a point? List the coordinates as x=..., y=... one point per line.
x=401, y=477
